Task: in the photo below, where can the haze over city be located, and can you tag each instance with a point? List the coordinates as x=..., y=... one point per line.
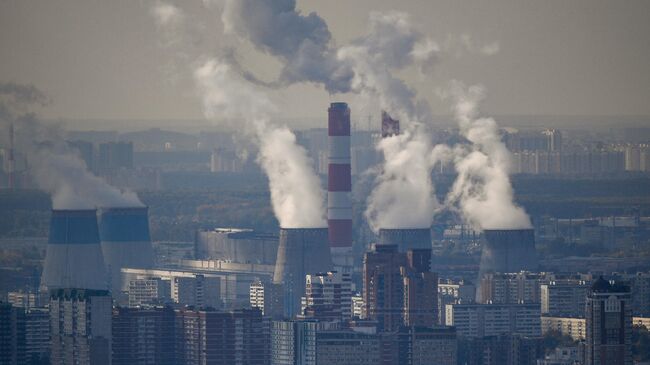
x=309, y=182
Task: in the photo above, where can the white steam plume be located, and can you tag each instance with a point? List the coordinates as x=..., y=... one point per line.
x=403, y=196
x=55, y=167
x=65, y=176
x=296, y=194
x=482, y=190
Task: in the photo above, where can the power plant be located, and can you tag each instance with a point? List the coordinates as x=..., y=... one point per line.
x=244, y=246
x=339, y=178
x=125, y=241
x=508, y=250
x=406, y=238
x=74, y=256
x=301, y=251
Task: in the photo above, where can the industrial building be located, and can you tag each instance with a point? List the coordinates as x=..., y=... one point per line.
x=242, y=246
x=74, y=256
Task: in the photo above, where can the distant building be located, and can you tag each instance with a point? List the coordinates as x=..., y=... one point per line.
x=481, y=320
x=398, y=287
x=143, y=336
x=563, y=356
x=244, y=246
x=267, y=297
x=425, y=344
x=358, y=307
x=328, y=296
x=241, y=337
x=12, y=335
x=506, y=349
x=85, y=150
x=223, y=160
x=294, y=341
x=640, y=288
x=37, y=335
x=347, y=347
x=576, y=328
x=115, y=155
x=199, y=291
x=564, y=298
x=80, y=323
x=510, y=288
x=152, y=291
x=609, y=324
x=24, y=299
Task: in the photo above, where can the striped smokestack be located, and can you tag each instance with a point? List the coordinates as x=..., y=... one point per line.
x=125, y=241
x=339, y=178
x=74, y=256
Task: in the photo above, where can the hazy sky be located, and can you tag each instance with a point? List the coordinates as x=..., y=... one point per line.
x=106, y=59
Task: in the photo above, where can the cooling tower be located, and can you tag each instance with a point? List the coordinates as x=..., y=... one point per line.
x=508, y=250
x=406, y=238
x=301, y=251
x=125, y=241
x=74, y=255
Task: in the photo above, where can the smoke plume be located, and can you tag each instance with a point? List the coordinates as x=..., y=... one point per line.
x=56, y=168
x=301, y=42
x=482, y=190
x=296, y=194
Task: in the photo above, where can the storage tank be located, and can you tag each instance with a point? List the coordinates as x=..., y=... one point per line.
x=301, y=251
x=125, y=241
x=74, y=256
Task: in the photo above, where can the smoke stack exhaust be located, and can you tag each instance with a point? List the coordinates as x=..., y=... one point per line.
x=125, y=241
x=301, y=251
x=74, y=255
x=339, y=178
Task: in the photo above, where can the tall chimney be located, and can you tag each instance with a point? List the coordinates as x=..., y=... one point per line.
x=12, y=159
x=339, y=178
x=389, y=126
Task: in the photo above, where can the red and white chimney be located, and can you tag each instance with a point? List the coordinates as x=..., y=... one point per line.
x=339, y=178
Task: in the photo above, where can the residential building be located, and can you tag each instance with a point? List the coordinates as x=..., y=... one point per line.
x=149, y=291
x=481, y=320
x=199, y=291
x=80, y=323
x=143, y=336
x=328, y=296
x=609, y=324
x=267, y=297
x=576, y=328
x=564, y=298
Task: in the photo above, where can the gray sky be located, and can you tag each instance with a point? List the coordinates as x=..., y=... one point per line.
x=104, y=59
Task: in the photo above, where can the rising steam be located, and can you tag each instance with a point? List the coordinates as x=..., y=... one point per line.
x=482, y=189
x=55, y=167
x=296, y=194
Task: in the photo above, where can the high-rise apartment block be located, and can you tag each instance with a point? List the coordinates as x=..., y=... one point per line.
x=80, y=323
x=328, y=296
x=200, y=291
x=609, y=324
x=143, y=336
x=398, y=288
x=267, y=297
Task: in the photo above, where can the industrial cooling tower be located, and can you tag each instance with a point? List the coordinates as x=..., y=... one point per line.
x=406, y=238
x=74, y=255
x=125, y=241
x=301, y=251
x=508, y=250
